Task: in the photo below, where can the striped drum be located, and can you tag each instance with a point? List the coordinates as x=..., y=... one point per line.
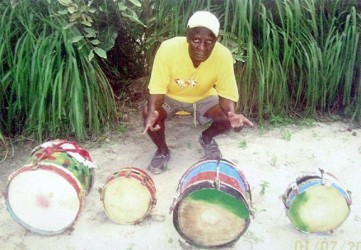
x=213, y=204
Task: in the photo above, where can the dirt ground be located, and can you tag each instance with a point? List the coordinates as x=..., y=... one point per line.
x=270, y=160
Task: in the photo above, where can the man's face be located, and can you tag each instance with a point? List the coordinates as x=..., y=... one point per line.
x=201, y=42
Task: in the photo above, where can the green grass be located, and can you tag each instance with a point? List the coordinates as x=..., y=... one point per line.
x=3, y=147
x=242, y=144
x=49, y=87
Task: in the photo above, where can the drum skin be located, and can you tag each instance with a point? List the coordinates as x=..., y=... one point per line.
x=212, y=209
x=46, y=195
x=316, y=204
x=128, y=195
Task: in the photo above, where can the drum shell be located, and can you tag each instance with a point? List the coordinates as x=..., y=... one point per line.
x=203, y=176
x=51, y=160
x=69, y=155
x=308, y=184
x=135, y=174
x=206, y=170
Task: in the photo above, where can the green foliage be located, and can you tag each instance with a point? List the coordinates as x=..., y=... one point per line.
x=122, y=128
x=86, y=17
x=49, y=87
x=286, y=134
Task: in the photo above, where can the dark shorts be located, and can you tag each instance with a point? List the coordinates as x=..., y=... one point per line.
x=198, y=109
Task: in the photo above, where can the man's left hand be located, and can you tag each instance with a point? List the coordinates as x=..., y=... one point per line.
x=238, y=120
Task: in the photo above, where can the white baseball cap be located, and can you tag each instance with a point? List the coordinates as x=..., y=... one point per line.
x=204, y=19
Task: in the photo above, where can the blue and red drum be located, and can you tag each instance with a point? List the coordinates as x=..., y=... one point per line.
x=128, y=195
x=47, y=194
x=317, y=203
x=213, y=204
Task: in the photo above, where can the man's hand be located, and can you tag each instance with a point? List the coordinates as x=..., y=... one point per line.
x=238, y=120
x=150, y=121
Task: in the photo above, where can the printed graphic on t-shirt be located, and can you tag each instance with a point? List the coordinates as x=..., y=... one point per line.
x=189, y=83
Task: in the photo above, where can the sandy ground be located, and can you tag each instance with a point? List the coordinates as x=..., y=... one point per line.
x=270, y=160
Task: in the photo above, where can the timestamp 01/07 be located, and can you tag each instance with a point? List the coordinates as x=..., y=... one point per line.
x=327, y=245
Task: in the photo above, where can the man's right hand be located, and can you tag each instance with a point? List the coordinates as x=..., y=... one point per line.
x=150, y=121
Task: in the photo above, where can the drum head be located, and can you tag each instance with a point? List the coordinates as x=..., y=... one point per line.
x=319, y=209
x=207, y=217
x=126, y=200
x=43, y=201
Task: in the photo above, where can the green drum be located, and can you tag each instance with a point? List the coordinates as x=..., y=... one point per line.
x=317, y=203
x=47, y=194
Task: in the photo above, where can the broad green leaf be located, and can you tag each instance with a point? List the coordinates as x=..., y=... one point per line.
x=87, y=18
x=100, y=52
x=91, y=55
x=74, y=16
x=133, y=17
x=93, y=35
x=65, y=2
x=69, y=25
x=63, y=12
x=122, y=7
x=95, y=41
x=72, y=9
x=92, y=10
x=76, y=39
x=89, y=32
x=136, y=3
x=108, y=38
x=86, y=23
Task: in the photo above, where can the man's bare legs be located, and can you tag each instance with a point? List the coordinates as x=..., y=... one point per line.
x=220, y=125
x=162, y=155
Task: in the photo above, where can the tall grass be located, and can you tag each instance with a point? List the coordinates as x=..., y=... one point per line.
x=49, y=88
x=292, y=58
x=3, y=147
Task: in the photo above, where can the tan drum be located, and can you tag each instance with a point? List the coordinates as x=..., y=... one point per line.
x=128, y=195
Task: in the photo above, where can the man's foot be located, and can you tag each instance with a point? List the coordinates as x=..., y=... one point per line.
x=158, y=163
x=212, y=151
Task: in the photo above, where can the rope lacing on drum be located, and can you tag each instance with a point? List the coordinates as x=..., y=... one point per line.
x=128, y=172
x=77, y=153
x=322, y=176
x=294, y=187
x=217, y=181
x=44, y=155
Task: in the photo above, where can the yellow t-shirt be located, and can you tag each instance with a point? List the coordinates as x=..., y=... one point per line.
x=173, y=73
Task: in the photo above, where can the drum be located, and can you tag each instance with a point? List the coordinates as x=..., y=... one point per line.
x=213, y=204
x=46, y=195
x=317, y=203
x=128, y=195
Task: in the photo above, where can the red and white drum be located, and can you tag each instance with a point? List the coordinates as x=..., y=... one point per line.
x=128, y=195
x=46, y=195
x=317, y=203
x=213, y=207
